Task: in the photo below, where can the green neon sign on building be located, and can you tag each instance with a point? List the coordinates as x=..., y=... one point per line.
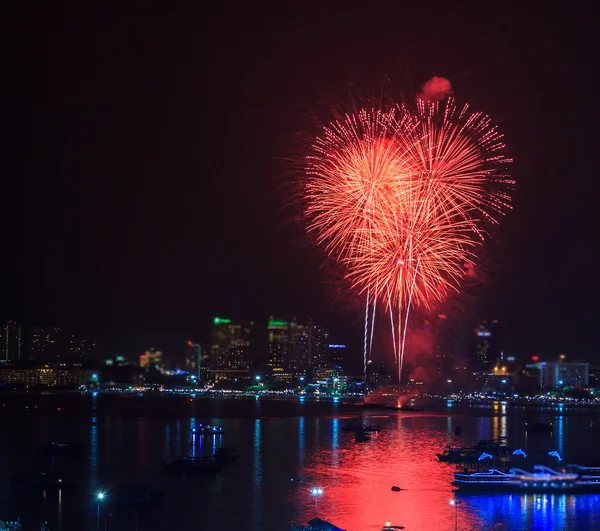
x=275, y=322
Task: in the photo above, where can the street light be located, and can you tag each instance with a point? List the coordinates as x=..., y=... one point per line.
x=316, y=492
x=456, y=503
x=99, y=498
x=257, y=378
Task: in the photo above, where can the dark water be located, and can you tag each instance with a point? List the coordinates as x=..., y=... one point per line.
x=276, y=444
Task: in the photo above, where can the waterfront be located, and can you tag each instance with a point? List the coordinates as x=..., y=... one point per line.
x=279, y=440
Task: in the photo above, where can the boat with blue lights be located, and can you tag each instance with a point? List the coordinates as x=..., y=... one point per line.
x=207, y=429
x=572, y=479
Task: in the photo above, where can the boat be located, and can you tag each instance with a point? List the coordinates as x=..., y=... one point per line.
x=226, y=454
x=388, y=526
x=539, y=427
x=371, y=428
x=194, y=465
x=60, y=448
x=49, y=481
x=541, y=480
x=472, y=454
x=362, y=436
x=207, y=429
x=588, y=475
x=143, y=494
x=454, y=454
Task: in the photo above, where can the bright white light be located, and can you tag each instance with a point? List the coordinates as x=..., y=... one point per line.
x=100, y=495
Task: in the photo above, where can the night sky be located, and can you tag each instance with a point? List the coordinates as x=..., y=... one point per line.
x=155, y=151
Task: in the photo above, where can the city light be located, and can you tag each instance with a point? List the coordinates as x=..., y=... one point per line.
x=100, y=495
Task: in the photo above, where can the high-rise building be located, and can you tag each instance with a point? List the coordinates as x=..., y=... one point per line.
x=279, y=337
x=10, y=342
x=337, y=355
x=560, y=374
x=317, y=339
x=295, y=357
x=230, y=350
x=483, y=350
x=81, y=347
x=196, y=360
x=45, y=342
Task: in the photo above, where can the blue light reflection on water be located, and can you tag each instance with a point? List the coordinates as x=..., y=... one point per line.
x=560, y=434
x=167, y=443
x=93, y=454
x=178, y=438
x=257, y=479
x=535, y=512
x=194, y=443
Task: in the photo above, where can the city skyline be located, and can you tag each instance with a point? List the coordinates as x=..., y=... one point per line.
x=200, y=217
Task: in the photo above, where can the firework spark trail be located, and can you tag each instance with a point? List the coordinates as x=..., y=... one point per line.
x=393, y=332
x=402, y=198
x=373, y=323
x=366, y=335
x=406, y=320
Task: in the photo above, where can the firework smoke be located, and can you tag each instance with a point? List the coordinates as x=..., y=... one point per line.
x=436, y=89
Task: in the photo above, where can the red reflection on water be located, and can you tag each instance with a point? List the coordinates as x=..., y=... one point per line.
x=357, y=478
